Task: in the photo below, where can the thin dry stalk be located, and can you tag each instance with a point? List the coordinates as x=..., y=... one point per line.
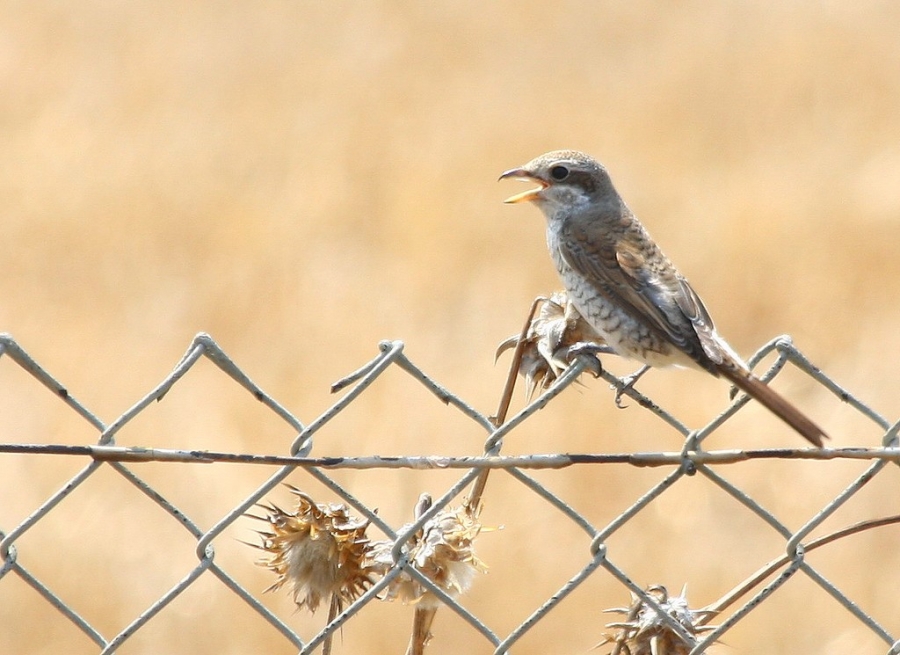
x=767, y=570
x=474, y=500
x=421, y=635
x=333, y=610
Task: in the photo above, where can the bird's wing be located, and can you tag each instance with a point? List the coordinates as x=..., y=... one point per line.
x=649, y=289
x=692, y=307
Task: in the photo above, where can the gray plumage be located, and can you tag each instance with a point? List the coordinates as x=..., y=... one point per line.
x=624, y=286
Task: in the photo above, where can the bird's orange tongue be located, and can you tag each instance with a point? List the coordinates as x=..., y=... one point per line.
x=531, y=194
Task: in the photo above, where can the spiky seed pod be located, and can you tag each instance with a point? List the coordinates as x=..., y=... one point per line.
x=644, y=632
x=318, y=551
x=443, y=550
x=556, y=327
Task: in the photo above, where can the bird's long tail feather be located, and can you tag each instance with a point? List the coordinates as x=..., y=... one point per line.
x=759, y=390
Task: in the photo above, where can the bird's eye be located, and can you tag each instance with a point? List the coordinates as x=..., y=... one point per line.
x=559, y=173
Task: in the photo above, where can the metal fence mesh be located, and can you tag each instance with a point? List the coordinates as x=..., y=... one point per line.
x=690, y=461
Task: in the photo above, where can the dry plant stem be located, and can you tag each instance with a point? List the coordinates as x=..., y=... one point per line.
x=754, y=580
x=505, y=399
x=333, y=610
x=422, y=621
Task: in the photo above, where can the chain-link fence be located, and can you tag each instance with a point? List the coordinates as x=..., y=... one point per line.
x=661, y=619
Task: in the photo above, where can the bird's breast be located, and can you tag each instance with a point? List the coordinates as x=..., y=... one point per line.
x=602, y=308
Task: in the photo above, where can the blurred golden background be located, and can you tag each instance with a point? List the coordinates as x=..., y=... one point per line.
x=303, y=180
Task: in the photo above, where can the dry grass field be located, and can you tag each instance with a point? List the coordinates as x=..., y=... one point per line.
x=303, y=180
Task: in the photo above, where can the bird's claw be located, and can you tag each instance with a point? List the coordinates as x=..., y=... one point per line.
x=628, y=383
x=592, y=350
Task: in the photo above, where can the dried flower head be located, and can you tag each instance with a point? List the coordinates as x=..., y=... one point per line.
x=442, y=550
x=318, y=551
x=555, y=328
x=645, y=632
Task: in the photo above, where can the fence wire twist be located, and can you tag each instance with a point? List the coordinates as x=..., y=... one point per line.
x=691, y=460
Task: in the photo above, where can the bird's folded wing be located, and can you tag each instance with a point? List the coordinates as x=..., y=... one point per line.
x=649, y=289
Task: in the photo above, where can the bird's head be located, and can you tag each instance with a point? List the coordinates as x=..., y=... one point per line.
x=567, y=180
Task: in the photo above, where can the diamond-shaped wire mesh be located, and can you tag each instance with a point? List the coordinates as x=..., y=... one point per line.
x=588, y=560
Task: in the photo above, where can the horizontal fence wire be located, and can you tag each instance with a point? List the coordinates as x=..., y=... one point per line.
x=691, y=460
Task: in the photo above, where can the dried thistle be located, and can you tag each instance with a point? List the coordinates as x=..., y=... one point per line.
x=644, y=632
x=443, y=550
x=318, y=551
x=555, y=329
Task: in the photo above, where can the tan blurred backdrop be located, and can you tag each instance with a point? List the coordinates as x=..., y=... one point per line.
x=303, y=180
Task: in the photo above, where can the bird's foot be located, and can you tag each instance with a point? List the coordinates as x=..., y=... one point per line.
x=592, y=350
x=627, y=383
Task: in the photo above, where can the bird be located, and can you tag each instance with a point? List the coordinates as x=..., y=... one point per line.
x=623, y=285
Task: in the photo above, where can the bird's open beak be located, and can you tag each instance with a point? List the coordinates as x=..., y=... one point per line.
x=522, y=174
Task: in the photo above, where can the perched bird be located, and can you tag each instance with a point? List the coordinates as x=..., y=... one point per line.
x=624, y=286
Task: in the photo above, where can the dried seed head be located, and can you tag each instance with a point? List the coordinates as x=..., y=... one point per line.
x=318, y=551
x=645, y=632
x=556, y=327
x=443, y=550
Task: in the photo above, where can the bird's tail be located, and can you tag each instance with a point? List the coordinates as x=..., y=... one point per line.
x=759, y=390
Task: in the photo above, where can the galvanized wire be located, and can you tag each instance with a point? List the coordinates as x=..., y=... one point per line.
x=690, y=460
